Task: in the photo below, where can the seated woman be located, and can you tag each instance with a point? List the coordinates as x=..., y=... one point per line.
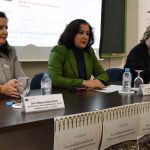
x=139, y=58
x=73, y=61
x=10, y=68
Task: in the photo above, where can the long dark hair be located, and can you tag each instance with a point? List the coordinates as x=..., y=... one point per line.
x=4, y=48
x=67, y=37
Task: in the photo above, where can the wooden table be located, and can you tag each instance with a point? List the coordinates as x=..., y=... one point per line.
x=35, y=131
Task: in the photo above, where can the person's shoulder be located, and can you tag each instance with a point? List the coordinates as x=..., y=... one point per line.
x=11, y=47
x=91, y=51
x=12, y=50
x=139, y=46
x=137, y=49
x=59, y=47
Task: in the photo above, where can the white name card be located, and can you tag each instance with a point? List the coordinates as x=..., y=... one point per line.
x=145, y=89
x=43, y=102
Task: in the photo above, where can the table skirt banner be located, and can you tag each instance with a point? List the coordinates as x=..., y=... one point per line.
x=81, y=131
x=119, y=128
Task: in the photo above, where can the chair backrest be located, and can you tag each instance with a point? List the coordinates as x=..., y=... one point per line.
x=115, y=74
x=36, y=81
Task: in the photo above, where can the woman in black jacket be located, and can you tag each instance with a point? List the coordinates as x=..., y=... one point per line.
x=139, y=58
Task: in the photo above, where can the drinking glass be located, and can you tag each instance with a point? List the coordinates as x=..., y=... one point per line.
x=23, y=86
x=138, y=80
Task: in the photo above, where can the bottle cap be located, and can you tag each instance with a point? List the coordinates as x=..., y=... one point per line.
x=46, y=74
x=9, y=103
x=127, y=69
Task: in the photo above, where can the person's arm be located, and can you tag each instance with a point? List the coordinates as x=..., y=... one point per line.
x=18, y=72
x=55, y=67
x=10, y=89
x=98, y=71
x=56, y=64
x=93, y=84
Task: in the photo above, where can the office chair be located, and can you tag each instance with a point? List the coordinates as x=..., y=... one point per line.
x=36, y=81
x=115, y=74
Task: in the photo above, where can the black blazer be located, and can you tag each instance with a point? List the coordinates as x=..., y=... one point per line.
x=139, y=59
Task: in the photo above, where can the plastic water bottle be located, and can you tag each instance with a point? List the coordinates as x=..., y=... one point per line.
x=46, y=84
x=126, y=81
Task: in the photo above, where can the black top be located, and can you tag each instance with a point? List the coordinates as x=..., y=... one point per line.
x=139, y=59
x=80, y=63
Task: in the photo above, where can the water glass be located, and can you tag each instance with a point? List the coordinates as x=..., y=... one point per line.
x=138, y=80
x=23, y=86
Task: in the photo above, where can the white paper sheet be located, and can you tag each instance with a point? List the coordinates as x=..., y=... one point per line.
x=110, y=89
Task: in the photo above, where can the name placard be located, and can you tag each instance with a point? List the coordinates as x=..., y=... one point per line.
x=43, y=103
x=144, y=89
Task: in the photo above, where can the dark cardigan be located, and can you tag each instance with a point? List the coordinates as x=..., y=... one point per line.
x=139, y=59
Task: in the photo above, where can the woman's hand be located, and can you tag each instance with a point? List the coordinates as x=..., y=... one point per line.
x=10, y=89
x=94, y=84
